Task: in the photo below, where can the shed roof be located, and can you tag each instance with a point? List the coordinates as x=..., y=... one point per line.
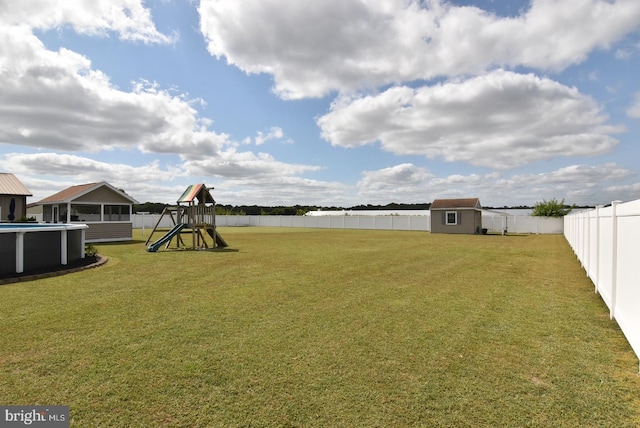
x=10, y=185
x=447, y=204
x=74, y=192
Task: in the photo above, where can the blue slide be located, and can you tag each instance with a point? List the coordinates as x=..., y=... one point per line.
x=166, y=238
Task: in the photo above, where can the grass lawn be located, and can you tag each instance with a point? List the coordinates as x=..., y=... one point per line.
x=329, y=328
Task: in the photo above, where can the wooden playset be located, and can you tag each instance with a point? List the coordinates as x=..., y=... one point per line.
x=195, y=215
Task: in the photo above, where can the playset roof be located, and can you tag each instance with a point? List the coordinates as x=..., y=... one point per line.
x=196, y=191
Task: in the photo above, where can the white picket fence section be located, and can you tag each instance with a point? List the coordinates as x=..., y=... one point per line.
x=494, y=223
x=607, y=243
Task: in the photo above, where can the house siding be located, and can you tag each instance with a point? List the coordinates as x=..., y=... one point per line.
x=20, y=208
x=103, y=232
x=102, y=195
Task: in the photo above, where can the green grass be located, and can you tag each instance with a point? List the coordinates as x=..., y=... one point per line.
x=314, y=327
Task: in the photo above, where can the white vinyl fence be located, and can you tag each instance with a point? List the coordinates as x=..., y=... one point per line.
x=494, y=223
x=607, y=243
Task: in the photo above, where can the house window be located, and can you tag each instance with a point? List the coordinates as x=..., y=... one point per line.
x=451, y=218
x=80, y=212
x=117, y=213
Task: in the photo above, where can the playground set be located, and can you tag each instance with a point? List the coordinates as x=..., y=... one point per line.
x=195, y=215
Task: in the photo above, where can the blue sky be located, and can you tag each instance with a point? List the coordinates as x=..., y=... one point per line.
x=332, y=103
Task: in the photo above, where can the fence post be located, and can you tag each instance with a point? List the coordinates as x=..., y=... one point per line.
x=597, y=261
x=614, y=258
x=585, y=240
x=588, y=222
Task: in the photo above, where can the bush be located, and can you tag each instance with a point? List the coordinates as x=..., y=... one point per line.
x=90, y=250
x=551, y=208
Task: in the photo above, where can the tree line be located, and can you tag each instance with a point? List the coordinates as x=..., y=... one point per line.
x=551, y=208
x=222, y=209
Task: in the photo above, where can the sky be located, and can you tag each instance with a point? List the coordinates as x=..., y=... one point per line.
x=325, y=103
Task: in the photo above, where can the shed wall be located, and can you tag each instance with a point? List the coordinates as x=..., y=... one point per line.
x=469, y=222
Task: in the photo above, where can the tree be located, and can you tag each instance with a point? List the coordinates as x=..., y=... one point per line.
x=551, y=208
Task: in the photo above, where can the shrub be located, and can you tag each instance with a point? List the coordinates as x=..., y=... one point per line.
x=90, y=250
x=551, y=208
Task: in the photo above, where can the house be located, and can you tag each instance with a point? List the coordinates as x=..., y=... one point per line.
x=13, y=198
x=105, y=209
x=456, y=216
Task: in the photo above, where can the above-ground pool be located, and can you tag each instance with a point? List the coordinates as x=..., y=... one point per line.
x=29, y=247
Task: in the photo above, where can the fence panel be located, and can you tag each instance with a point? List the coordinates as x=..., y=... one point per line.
x=336, y=222
x=383, y=222
x=420, y=223
x=352, y=222
x=522, y=224
x=627, y=296
x=401, y=222
x=607, y=243
x=605, y=254
x=593, y=264
x=494, y=223
x=367, y=222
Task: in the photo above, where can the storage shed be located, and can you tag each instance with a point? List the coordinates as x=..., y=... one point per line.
x=456, y=216
x=105, y=209
x=13, y=198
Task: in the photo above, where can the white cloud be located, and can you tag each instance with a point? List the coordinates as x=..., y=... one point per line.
x=56, y=100
x=129, y=18
x=580, y=184
x=499, y=120
x=82, y=168
x=314, y=48
x=405, y=179
x=634, y=109
x=239, y=177
x=275, y=133
x=623, y=192
x=623, y=54
x=283, y=190
x=47, y=173
x=233, y=164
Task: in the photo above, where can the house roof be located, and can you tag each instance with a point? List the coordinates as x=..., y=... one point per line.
x=74, y=192
x=10, y=185
x=447, y=204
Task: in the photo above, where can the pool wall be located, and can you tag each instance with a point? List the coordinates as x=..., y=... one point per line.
x=29, y=248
